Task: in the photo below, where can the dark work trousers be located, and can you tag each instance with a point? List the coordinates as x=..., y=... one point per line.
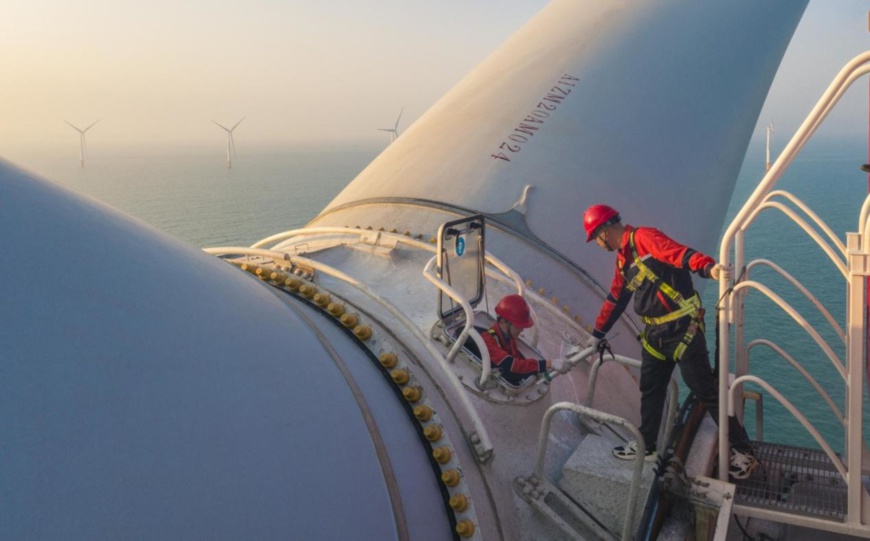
x=698, y=375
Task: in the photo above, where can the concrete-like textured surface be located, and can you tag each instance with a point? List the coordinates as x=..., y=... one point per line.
x=601, y=482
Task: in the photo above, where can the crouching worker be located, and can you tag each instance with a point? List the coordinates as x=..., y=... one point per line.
x=501, y=341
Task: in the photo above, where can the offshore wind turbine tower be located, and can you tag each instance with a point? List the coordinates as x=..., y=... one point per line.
x=231, y=144
x=394, y=131
x=82, y=144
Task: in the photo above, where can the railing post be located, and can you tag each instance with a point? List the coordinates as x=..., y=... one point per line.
x=858, y=272
x=741, y=357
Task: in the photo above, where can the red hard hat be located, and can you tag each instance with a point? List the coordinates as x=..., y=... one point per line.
x=595, y=216
x=515, y=309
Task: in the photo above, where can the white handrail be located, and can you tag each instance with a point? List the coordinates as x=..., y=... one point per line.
x=673, y=389
x=854, y=69
x=797, y=366
x=835, y=90
x=838, y=262
x=809, y=212
x=799, y=319
x=865, y=210
x=601, y=417
x=258, y=252
x=800, y=287
x=429, y=274
x=850, y=73
x=343, y=230
x=795, y=412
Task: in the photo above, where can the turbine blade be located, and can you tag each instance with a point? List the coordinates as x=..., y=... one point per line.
x=237, y=123
x=92, y=125
x=73, y=126
x=400, y=117
x=222, y=126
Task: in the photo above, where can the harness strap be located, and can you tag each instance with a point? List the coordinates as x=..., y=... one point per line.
x=692, y=307
x=687, y=307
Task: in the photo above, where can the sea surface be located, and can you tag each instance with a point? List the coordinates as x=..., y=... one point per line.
x=195, y=198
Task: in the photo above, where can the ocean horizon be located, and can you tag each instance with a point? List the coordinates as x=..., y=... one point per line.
x=192, y=196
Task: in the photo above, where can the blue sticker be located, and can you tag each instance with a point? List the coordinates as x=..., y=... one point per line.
x=460, y=246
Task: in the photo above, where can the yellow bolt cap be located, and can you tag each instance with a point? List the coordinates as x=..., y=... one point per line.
x=349, y=320
x=335, y=309
x=388, y=360
x=442, y=455
x=307, y=291
x=399, y=376
x=450, y=478
x=413, y=394
x=422, y=413
x=465, y=528
x=458, y=503
x=322, y=299
x=433, y=432
x=363, y=332
x=292, y=283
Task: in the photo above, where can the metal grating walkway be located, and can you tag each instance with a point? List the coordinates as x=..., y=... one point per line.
x=794, y=480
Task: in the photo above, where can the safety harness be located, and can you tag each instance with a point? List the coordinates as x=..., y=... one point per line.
x=686, y=307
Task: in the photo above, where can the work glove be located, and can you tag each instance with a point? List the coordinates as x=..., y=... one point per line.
x=559, y=365
x=593, y=343
x=720, y=271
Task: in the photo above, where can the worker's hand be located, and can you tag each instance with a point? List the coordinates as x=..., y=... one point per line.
x=720, y=271
x=559, y=365
x=593, y=343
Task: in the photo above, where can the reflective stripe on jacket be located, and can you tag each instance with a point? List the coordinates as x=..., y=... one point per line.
x=668, y=260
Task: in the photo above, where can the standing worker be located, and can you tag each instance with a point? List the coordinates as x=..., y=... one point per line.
x=656, y=269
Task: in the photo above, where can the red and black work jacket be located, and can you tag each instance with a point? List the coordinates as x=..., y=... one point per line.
x=669, y=260
x=505, y=355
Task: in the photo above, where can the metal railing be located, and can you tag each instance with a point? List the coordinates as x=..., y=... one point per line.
x=852, y=260
x=673, y=388
x=601, y=417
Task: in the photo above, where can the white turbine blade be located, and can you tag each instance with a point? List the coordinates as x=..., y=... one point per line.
x=92, y=125
x=73, y=126
x=237, y=123
x=222, y=126
x=398, y=119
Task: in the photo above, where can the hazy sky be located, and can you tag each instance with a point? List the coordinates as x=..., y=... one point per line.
x=158, y=72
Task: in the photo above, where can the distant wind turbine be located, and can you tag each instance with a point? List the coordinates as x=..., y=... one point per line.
x=231, y=144
x=770, y=131
x=83, y=148
x=394, y=131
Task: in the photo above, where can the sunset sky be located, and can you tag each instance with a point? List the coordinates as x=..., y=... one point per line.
x=158, y=73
